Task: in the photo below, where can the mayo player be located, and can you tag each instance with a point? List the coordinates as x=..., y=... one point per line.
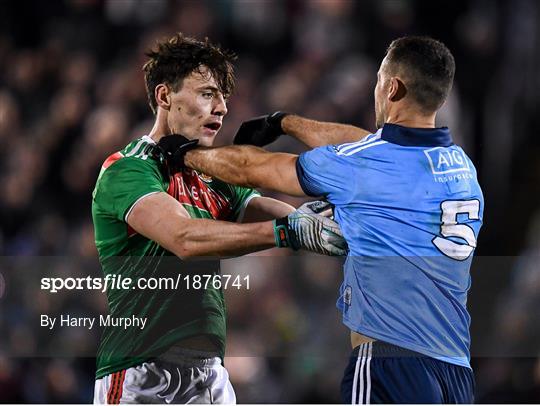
x=150, y=214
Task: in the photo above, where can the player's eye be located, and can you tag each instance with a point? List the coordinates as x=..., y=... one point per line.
x=208, y=95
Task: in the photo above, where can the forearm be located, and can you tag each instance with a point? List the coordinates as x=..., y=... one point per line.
x=229, y=164
x=317, y=133
x=160, y=218
x=202, y=237
x=266, y=208
x=248, y=166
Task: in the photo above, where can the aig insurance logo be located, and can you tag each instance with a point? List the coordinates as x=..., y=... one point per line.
x=446, y=160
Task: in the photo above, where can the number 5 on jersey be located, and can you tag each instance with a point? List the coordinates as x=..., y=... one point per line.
x=451, y=228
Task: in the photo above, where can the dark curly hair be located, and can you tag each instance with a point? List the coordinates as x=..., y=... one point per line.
x=427, y=66
x=177, y=57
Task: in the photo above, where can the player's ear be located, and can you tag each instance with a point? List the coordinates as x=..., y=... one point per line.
x=163, y=97
x=397, y=89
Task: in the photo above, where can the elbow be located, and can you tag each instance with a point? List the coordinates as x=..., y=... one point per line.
x=182, y=246
x=248, y=182
x=240, y=171
x=240, y=176
x=184, y=252
x=247, y=166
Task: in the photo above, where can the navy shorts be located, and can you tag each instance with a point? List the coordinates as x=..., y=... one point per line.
x=379, y=372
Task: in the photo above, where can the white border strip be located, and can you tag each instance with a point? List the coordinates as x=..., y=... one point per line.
x=368, y=389
x=240, y=217
x=137, y=201
x=355, y=379
x=365, y=140
x=358, y=149
x=362, y=379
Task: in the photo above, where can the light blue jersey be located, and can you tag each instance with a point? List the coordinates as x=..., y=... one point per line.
x=410, y=207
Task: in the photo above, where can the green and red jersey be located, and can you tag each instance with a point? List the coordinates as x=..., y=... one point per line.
x=172, y=315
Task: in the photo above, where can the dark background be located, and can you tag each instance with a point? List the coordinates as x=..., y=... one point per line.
x=72, y=92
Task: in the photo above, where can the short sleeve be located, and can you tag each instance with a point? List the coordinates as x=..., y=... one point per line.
x=241, y=198
x=126, y=181
x=321, y=172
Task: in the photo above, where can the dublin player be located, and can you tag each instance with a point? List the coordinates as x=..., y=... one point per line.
x=410, y=206
x=150, y=214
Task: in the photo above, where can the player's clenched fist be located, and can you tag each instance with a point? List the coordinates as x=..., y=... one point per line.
x=308, y=228
x=260, y=131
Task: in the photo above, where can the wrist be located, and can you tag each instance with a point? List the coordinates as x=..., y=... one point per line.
x=188, y=158
x=198, y=158
x=284, y=236
x=275, y=120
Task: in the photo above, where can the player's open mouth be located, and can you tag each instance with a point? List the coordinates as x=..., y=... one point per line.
x=213, y=126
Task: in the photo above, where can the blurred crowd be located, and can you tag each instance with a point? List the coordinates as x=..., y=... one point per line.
x=72, y=92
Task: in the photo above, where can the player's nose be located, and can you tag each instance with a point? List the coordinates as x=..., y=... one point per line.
x=220, y=106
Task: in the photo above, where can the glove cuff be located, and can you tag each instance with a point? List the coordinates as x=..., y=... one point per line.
x=285, y=237
x=274, y=121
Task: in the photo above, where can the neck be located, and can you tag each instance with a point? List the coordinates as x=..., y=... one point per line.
x=411, y=118
x=160, y=128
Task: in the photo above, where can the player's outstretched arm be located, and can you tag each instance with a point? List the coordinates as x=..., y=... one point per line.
x=162, y=219
x=318, y=133
x=261, y=131
x=262, y=208
x=159, y=217
x=250, y=166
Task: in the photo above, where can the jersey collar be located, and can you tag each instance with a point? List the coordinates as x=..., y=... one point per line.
x=148, y=139
x=416, y=137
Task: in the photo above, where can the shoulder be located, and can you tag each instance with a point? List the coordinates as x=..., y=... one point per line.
x=342, y=153
x=353, y=148
x=136, y=154
x=138, y=147
x=133, y=163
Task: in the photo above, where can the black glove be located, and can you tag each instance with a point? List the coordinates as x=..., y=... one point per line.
x=170, y=151
x=260, y=131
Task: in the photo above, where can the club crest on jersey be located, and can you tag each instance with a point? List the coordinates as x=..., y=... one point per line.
x=347, y=295
x=205, y=178
x=447, y=160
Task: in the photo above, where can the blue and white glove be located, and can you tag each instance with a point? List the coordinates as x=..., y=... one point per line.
x=310, y=228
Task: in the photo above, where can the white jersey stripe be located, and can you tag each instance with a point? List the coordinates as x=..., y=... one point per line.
x=368, y=389
x=350, y=145
x=136, y=148
x=148, y=139
x=355, y=379
x=354, y=151
x=244, y=207
x=134, y=203
x=368, y=138
x=362, y=379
